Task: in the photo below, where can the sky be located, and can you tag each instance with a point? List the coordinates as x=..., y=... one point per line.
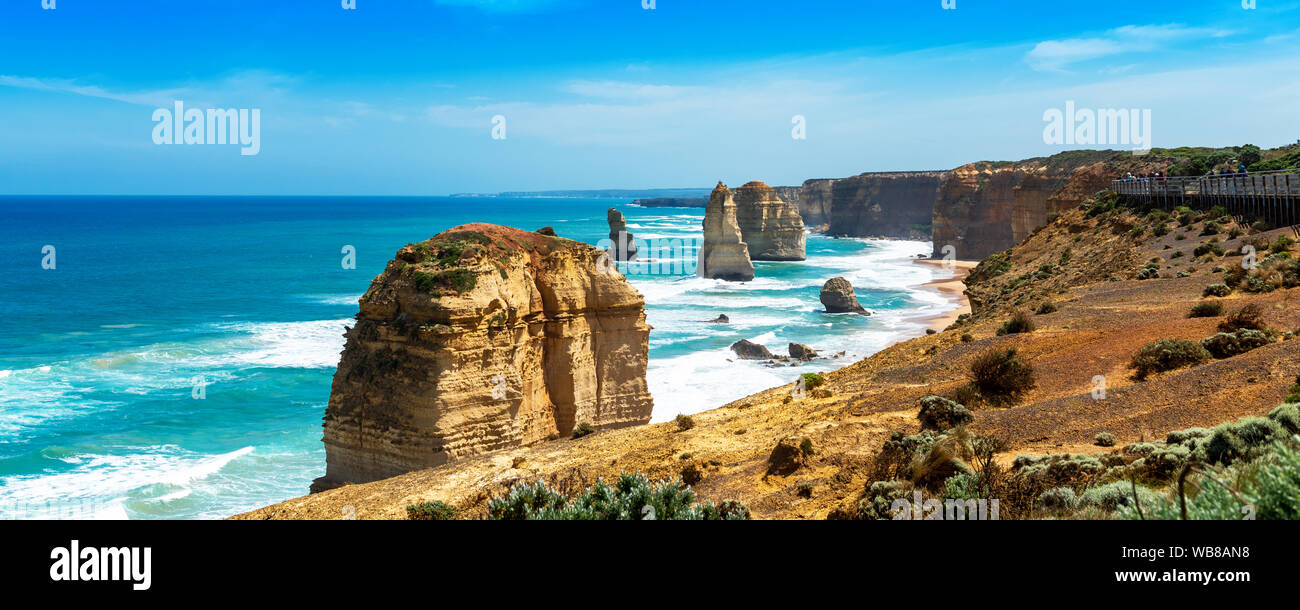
x=431, y=97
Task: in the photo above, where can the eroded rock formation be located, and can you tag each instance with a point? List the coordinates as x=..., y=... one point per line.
x=770, y=227
x=482, y=338
x=624, y=248
x=838, y=297
x=748, y=350
x=724, y=255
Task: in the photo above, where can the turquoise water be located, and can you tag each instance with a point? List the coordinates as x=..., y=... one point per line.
x=176, y=361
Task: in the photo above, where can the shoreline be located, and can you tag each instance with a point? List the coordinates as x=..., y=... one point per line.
x=952, y=288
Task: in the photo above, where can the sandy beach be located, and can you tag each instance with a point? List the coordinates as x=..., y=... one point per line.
x=952, y=288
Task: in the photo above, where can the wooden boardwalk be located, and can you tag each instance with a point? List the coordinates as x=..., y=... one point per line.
x=1271, y=196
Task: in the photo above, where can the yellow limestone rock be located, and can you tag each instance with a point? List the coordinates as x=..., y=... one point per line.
x=482, y=338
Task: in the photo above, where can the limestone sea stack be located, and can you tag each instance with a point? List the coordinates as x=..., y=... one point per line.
x=624, y=248
x=481, y=338
x=724, y=255
x=838, y=297
x=771, y=227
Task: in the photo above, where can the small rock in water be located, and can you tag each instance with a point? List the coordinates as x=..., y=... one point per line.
x=838, y=297
x=721, y=319
x=748, y=350
x=799, y=351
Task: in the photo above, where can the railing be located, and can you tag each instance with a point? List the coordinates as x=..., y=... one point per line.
x=1273, y=196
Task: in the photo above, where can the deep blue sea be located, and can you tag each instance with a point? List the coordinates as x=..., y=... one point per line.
x=176, y=360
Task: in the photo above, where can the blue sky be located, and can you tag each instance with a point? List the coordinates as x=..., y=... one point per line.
x=397, y=97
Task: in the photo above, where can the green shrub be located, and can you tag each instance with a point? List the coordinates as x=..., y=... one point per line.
x=1161, y=229
x=1167, y=355
x=1217, y=290
x=967, y=338
x=684, y=422
x=1104, y=439
x=1204, y=249
x=1116, y=495
x=1244, y=439
x=1176, y=254
x=1211, y=228
x=631, y=498
x=806, y=446
x=1046, y=308
x=1206, y=309
x=431, y=511
x=939, y=414
x=1020, y=322
x=1180, y=236
x=1227, y=345
x=1287, y=416
x=1058, y=499
x=1281, y=244
x=583, y=429
x=812, y=380
x=1000, y=377
x=1265, y=489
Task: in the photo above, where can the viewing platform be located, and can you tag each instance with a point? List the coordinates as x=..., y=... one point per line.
x=1272, y=196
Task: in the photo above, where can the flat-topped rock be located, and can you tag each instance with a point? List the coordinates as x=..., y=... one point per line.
x=482, y=338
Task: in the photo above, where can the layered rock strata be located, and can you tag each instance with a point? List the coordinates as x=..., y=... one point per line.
x=724, y=255
x=771, y=227
x=481, y=338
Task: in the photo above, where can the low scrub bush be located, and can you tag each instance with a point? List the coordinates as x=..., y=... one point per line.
x=1250, y=316
x=1020, y=322
x=1046, y=308
x=1104, y=439
x=1216, y=290
x=1167, y=355
x=631, y=498
x=939, y=414
x=1227, y=345
x=1206, y=309
x=1001, y=377
x=431, y=511
x=583, y=429
x=684, y=422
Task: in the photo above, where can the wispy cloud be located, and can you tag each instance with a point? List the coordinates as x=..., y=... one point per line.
x=162, y=97
x=1056, y=55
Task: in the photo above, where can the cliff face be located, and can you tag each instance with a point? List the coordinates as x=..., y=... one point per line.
x=771, y=227
x=484, y=337
x=885, y=204
x=724, y=255
x=988, y=207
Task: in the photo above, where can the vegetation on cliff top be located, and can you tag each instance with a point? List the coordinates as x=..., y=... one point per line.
x=631, y=498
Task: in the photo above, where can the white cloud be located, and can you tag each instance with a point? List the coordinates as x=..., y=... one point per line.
x=1055, y=55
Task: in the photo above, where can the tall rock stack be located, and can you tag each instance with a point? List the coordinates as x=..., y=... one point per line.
x=624, y=248
x=771, y=227
x=724, y=255
x=484, y=337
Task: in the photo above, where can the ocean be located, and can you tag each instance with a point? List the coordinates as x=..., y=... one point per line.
x=175, y=361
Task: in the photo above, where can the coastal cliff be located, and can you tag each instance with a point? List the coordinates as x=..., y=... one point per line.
x=987, y=207
x=881, y=204
x=483, y=338
x=724, y=255
x=770, y=227
x=1102, y=313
